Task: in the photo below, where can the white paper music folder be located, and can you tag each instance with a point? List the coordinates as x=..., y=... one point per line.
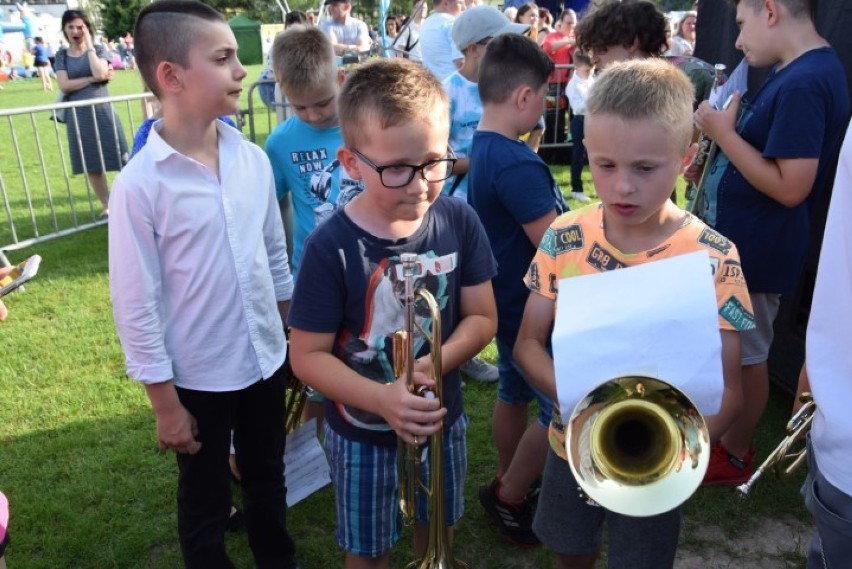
x=305, y=464
x=658, y=319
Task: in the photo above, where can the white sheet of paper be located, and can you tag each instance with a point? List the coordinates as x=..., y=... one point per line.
x=305, y=465
x=658, y=319
x=737, y=81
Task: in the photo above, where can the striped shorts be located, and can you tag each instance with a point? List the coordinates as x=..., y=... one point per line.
x=365, y=479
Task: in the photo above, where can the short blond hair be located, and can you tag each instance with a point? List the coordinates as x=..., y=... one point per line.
x=645, y=89
x=390, y=92
x=303, y=59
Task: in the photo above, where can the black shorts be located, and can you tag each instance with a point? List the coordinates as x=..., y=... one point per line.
x=41, y=63
x=3, y=544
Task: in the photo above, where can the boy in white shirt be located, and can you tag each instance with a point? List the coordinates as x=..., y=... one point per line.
x=200, y=285
x=577, y=91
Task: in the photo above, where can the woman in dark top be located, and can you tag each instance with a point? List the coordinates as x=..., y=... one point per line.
x=96, y=140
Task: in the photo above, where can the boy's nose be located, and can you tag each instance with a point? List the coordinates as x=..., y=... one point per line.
x=240, y=71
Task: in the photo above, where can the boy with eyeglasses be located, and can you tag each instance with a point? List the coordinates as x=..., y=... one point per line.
x=349, y=300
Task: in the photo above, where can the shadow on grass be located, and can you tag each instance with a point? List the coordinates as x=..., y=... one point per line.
x=97, y=494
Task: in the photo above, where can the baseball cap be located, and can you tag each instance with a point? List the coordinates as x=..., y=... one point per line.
x=327, y=2
x=479, y=22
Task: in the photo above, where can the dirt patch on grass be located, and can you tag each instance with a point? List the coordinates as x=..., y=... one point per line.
x=770, y=543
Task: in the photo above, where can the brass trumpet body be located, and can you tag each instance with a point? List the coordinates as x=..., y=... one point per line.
x=791, y=452
x=637, y=445
x=296, y=398
x=438, y=553
x=706, y=151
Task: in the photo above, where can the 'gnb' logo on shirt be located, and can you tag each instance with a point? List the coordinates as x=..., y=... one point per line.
x=602, y=259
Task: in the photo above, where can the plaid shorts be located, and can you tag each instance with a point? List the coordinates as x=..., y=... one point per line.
x=365, y=479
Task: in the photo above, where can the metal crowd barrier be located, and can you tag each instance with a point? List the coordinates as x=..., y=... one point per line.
x=41, y=198
x=557, y=117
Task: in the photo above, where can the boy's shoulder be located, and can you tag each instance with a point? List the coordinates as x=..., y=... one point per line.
x=810, y=69
x=498, y=149
x=705, y=237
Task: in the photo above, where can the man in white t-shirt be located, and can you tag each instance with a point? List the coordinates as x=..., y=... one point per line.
x=408, y=42
x=828, y=375
x=347, y=33
x=440, y=54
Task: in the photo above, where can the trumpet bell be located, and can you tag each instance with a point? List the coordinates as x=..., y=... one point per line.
x=637, y=445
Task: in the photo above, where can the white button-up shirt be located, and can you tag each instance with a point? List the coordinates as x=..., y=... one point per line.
x=197, y=264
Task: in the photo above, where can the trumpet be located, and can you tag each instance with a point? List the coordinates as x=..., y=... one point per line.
x=438, y=550
x=295, y=400
x=790, y=453
x=637, y=446
x=295, y=397
x=706, y=151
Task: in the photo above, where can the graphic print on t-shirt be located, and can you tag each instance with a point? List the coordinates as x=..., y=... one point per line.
x=320, y=187
x=371, y=352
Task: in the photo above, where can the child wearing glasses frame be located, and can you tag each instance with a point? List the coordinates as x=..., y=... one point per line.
x=348, y=302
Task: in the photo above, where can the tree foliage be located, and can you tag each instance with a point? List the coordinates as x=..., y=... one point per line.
x=117, y=17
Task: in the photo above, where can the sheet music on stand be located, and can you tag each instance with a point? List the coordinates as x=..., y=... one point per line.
x=305, y=465
x=20, y=275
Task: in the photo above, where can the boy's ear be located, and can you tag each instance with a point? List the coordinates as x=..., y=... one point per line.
x=350, y=162
x=341, y=76
x=771, y=7
x=168, y=77
x=522, y=96
x=633, y=48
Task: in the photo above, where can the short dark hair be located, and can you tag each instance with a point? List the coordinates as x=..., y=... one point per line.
x=295, y=17
x=390, y=92
x=69, y=15
x=581, y=58
x=165, y=31
x=511, y=61
x=616, y=23
x=797, y=8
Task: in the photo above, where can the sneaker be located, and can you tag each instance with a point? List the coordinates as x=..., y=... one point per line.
x=533, y=492
x=480, y=370
x=513, y=521
x=581, y=197
x=236, y=521
x=726, y=469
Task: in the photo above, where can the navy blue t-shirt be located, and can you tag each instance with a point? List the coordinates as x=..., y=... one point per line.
x=508, y=186
x=350, y=284
x=799, y=112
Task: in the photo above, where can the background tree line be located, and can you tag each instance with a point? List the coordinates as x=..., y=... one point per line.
x=117, y=16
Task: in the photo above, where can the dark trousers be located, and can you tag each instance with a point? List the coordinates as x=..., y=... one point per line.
x=578, y=152
x=256, y=415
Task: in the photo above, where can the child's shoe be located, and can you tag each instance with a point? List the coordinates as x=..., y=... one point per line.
x=513, y=520
x=726, y=469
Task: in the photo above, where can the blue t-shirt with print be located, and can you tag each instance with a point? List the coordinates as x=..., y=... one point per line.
x=465, y=112
x=304, y=163
x=350, y=285
x=799, y=112
x=510, y=185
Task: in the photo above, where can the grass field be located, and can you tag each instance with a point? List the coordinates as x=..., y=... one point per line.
x=88, y=488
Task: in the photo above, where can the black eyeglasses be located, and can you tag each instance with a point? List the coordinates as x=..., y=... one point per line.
x=400, y=175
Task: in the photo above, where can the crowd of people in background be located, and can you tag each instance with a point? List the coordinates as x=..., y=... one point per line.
x=345, y=179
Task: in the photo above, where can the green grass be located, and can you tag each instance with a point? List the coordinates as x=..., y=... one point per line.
x=88, y=488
